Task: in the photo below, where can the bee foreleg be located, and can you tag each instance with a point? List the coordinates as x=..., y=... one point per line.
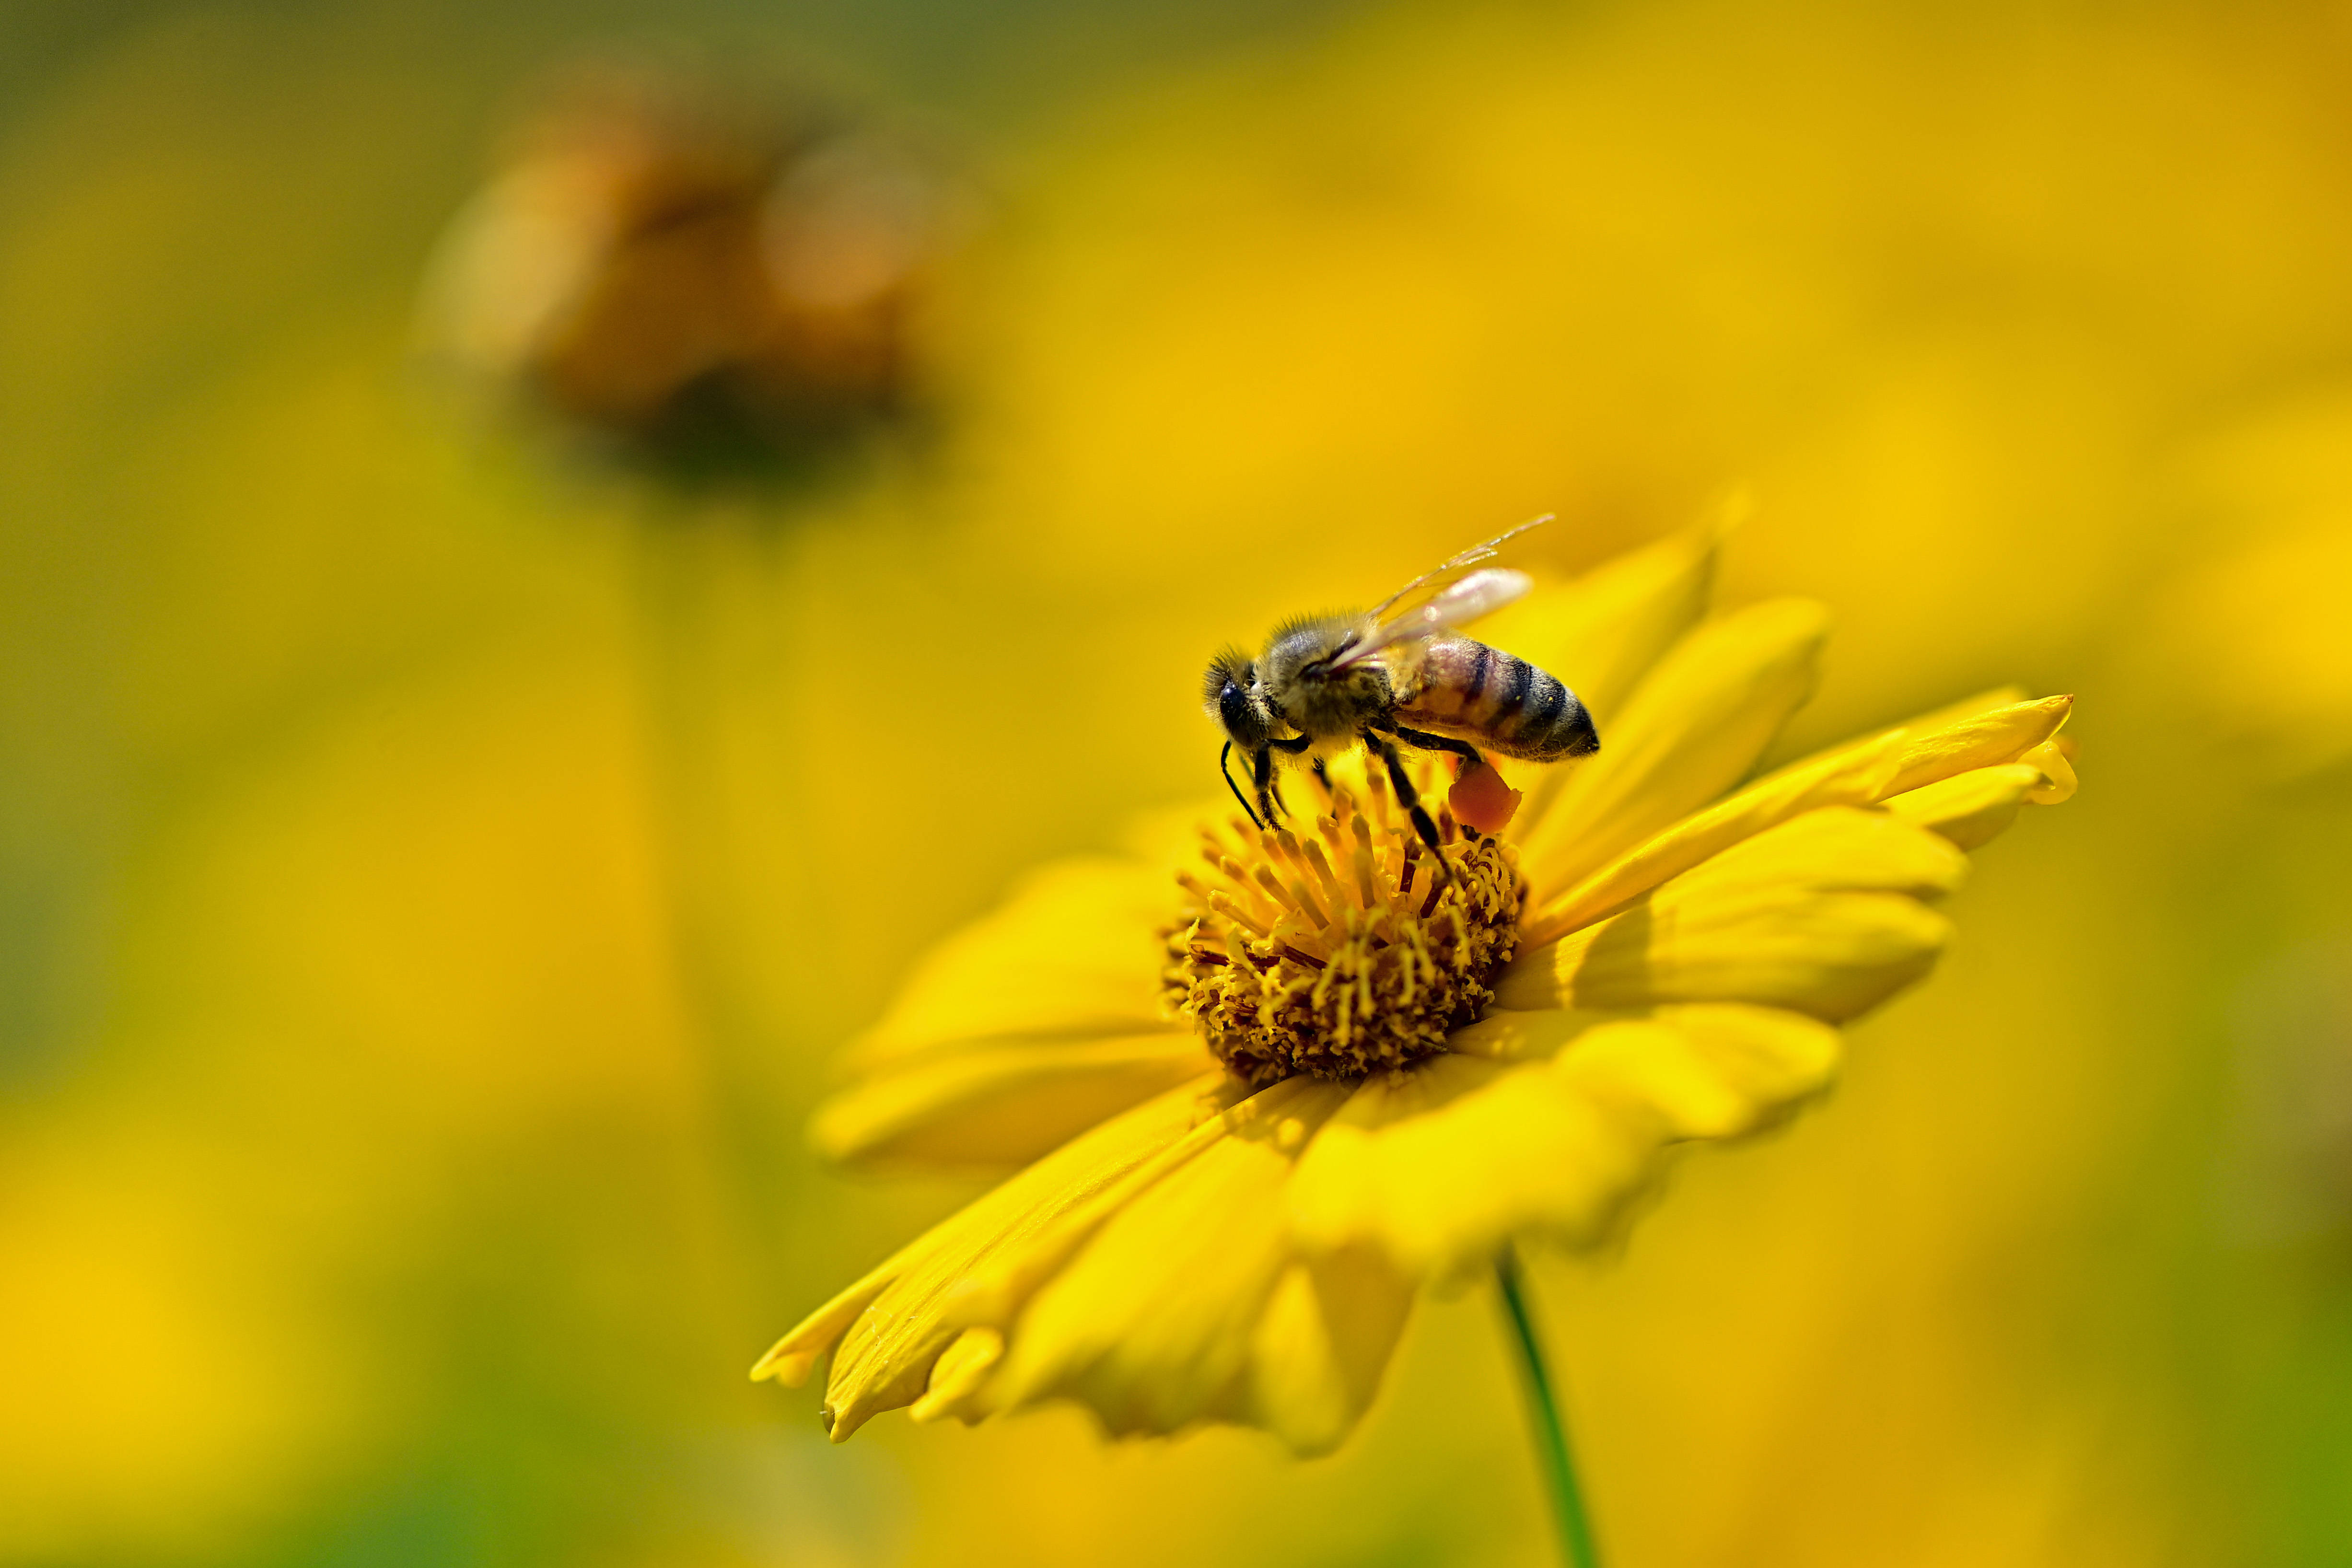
x=1261, y=775
x=1269, y=784
x=1224, y=765
x=1427, y=742
x=1409, y=798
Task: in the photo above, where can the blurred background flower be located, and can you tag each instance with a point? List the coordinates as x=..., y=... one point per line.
x=419, y=961
x=702, y=275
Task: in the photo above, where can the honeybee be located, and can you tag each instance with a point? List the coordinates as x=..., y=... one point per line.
x=1399, y=674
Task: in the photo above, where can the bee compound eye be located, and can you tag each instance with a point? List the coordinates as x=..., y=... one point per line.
x=1233, y=711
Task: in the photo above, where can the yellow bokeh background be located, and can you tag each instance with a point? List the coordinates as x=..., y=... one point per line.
x=437, y=872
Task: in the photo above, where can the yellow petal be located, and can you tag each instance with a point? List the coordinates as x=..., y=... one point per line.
x=1695, y=726
x=1983, y=740
x=1972, y=808
x=891, y=1325
x=994, y=1292
x=1438, y=1167
x=1604, y=632
x=1933, y=721
x=1506, y=1036
x=1071, y=955
x=1976, y=803
x=993, y=1106
x=1151, y=1321
x=1967, y=707
x=1322, y=1343
x=1849, y=777
x=958, y=1377
x=1020, y=1030
x=2057, y=773
x=1397, y=1168
x=1821, y=915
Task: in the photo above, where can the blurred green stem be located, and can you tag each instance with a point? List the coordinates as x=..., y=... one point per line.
x=1552, y=1453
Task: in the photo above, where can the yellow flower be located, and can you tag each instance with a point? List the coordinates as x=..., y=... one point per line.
x=1266, y=1086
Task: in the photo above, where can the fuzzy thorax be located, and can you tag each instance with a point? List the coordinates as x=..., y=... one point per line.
x=1344, y=950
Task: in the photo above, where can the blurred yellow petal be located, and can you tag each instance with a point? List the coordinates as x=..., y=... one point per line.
x=991, y=1106
x=1325, y=1337
x=1395, y=1167
x=1850, y=777
x=1150, y=1322
x=891, y=1325
x=1693, y=728
x=1440, y=1168
x=1821, y=915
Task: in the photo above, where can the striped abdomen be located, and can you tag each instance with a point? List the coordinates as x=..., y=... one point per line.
x=1491, y=699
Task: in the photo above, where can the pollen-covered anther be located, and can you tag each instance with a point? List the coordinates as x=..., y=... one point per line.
x=1340, y=951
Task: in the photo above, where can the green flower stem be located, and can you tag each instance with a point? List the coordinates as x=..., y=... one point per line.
x=1543, y=1410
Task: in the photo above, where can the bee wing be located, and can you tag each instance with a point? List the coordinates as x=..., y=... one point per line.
x=1455, y=605
x=1384, y=611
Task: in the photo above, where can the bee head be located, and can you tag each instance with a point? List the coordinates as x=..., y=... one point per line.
x=1230, y=693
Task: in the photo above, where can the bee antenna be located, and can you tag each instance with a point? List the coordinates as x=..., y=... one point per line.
x=1224, y=760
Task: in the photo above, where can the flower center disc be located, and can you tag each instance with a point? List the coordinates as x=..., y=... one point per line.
x=1344, y=950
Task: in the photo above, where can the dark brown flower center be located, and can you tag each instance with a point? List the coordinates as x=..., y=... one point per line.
x=1345, y=950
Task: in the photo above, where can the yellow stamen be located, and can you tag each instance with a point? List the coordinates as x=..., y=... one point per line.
x=1334, y=893
x=1234, y=912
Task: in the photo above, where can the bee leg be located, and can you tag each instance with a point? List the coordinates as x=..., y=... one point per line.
x=1409, y=798
x=1427, y=742
x=1224, y=765
x=1466, y=757
x=1261, y=775
x=1323, y=779
x=1269, y=785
